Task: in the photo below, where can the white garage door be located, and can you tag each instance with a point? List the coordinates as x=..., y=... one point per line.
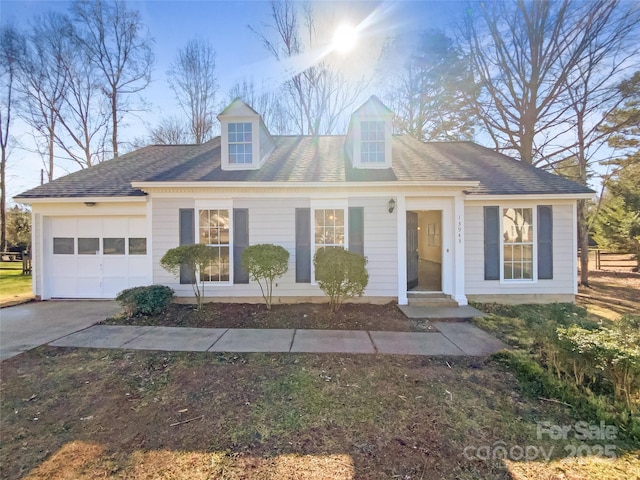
x=95, y=257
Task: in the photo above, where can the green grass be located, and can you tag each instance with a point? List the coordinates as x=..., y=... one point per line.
x=531, y=330
x=13, y=285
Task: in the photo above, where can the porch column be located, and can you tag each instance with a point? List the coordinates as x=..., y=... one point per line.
x=401, y=227
x=458, y=250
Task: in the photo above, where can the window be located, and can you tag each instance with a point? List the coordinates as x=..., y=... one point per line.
x=137, y=246
x=372, y=142
x=63, y=246
x=240, y=143
x=433, y=234
x=517, y=230
x=113, y=246
x=214, y=231
x=329, y=228
x=88, y=246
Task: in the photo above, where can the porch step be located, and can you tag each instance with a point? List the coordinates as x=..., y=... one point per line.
x=418, y=299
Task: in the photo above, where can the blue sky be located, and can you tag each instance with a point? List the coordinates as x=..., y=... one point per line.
x=240, y=53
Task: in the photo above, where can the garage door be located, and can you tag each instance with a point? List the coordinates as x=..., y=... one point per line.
x=95, y=257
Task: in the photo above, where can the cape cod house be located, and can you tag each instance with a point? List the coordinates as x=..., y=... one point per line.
x=452, y=217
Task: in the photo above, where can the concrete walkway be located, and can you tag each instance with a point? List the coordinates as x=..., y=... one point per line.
x=450, y=339
x=26, y=326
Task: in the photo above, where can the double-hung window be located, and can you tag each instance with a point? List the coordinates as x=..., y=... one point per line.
x=517, y=230
x=240, y=143
x=214, y=231
x=329, y=228
x=372, y=142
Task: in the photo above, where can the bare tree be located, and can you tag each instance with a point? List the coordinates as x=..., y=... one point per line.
x=318, y=95
x=11, y=49
x=170, y=131
x=84, y=113
x=515, y=50
x=121, y=51
x=548, y=69
x=264, y=101
x=192, y=77
x=43, y=81
x=430, y=96
x=592, y=95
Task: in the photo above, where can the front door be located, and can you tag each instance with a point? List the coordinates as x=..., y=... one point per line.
x=412, y=250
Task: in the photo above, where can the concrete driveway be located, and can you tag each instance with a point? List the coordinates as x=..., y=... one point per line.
x=29, y=325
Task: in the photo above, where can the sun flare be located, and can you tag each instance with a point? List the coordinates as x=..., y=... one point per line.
x=345, y=38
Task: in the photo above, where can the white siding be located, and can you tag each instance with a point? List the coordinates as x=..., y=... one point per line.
x=564, y=263
x=380, y=246
x=272, y=220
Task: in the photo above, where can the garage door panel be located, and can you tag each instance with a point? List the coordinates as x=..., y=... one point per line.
x=64, y=287
x=94, y=275
x=89, y=227
x=137, y=227
x=61, y=227
x=114, y=285
x=90, y=287
x=115, y=266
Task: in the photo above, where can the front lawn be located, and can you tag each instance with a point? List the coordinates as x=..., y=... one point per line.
x=13, y=285
x=84, y=414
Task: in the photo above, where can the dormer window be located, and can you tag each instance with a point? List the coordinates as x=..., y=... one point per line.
x=372, y=142
x=368, y=142
x=240, y=143
x=245, y=142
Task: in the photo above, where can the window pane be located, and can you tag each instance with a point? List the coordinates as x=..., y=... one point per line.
x=137, y=246
x=508, y=275
x=113, y=246
x=319, y=217
x=63, y=246
x=518, y=243
x=223, y=236
x=88, y=246
x=527, y=270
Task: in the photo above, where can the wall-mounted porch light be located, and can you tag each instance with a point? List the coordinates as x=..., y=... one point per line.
x=392, y=205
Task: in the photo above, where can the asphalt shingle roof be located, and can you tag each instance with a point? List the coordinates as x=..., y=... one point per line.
x=310, y=159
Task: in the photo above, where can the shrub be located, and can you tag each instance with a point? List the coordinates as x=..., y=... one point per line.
x=265, y=263
x=341, y=274
x=196, y=257
x=145, y=300
x=615, y=352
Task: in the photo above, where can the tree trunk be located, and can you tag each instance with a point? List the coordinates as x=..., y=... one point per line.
x=3, y=202
x=583, y=242
x=114, y=117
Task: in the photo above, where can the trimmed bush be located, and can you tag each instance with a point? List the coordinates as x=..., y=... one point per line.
x=196, y=257
x=145, y=300
x=340, y=274
x=265, y=262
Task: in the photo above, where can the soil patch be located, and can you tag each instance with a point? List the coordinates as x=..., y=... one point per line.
x=352, y=316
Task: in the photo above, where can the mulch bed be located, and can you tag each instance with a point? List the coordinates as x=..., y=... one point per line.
x=304, y=315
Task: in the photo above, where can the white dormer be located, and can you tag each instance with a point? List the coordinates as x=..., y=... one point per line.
x=245, y=141
x=368, y=141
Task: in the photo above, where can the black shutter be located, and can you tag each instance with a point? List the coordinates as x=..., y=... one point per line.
x=545, y=242
x=491, y=243
x=240, y=242
x=356, y=230
x=303, y=245
x=187, y=237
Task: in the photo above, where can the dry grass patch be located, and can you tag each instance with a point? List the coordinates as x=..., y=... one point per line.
x=73, y=413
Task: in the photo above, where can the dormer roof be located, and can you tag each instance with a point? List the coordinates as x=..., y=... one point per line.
x=373, y=107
